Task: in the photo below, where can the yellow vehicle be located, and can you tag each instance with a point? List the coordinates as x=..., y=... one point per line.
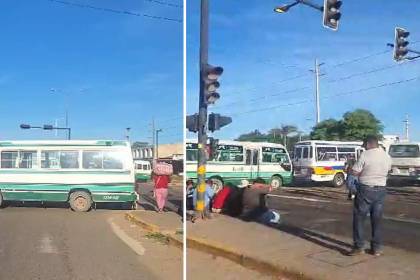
x=323, y=161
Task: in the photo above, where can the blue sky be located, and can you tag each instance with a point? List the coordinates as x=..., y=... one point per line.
x=261, y=51
x=116, y=70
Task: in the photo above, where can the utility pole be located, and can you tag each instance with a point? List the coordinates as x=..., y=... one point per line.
x=153, y=139
x=317, y=73
x=157, y=143
x=202, y=110
x=407, y=126
x=127, y=135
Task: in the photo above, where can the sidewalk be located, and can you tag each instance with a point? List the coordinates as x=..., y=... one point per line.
x=168, y=224
x=301, y=253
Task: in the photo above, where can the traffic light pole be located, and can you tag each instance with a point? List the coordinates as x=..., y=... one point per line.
x=202, y=110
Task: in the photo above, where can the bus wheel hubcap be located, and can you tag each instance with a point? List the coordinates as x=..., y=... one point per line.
x=80, y=202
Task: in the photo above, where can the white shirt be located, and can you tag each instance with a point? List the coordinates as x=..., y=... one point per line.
x=373, y=166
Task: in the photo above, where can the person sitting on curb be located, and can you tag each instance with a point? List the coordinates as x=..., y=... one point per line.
x=190, y=195
x=255, y=205
x=220, y=198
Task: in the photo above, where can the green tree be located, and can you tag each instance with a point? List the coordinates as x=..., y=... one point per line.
x=253, y=136
x=329, y=129
x=284, y=131
x=358, y=124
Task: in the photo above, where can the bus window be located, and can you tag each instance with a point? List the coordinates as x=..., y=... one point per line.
x=230, y=153
x=326, y=153
x=248, y=157
x=311, y=152
x=298, y=153
x=112, y=160
x=28, y=159
x=346, y=153
x=305, y=153
x=255, y=157
x=69, y=159
x=92, y=160
x=50, y=159
x=8, y=159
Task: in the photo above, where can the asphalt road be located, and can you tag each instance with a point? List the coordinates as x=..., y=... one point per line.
x=56, y=243
x=320, y=213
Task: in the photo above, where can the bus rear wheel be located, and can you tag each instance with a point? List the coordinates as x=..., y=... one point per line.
x=339, y=180
x=80, y=201
x=276, y=182
x=1, y=200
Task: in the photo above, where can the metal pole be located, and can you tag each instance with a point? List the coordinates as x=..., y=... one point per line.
x=157, y=143
x=202, y=110
x=317, y=109
x=153, y=139
x=407, y=125
x=69, y=133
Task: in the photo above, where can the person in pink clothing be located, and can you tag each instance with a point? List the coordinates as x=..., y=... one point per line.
x=161, y=183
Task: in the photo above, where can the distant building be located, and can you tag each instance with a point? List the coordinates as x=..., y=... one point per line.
x=170, y=153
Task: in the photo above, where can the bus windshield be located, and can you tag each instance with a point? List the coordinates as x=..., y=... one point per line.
x=272, y=155
x=403, y=151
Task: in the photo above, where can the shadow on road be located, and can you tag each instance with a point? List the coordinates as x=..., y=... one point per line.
x=65, y=205
x=317, y=238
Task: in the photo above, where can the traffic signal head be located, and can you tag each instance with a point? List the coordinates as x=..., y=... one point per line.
x=48, y=127
x=192, y=123
x=400, y=43
x=25, y=126
x=210, y=76
x=331, y=14
x=216, y=121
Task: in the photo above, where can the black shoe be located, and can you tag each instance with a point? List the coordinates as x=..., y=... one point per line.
x=356, y=252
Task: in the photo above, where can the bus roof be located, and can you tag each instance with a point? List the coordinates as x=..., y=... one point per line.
x=245, y=143
x=322, y=142
x=23, y=143
x=405, y=143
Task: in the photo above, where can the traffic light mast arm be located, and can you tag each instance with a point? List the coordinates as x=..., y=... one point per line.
x=312, y=5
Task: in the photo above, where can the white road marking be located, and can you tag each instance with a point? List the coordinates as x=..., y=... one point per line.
x=299, y=198
x=130, y=242
x=46, y=245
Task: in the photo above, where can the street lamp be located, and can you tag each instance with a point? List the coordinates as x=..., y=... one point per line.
x=127, y=135
x=157, y=143
x=47, y=127
x=65, y=93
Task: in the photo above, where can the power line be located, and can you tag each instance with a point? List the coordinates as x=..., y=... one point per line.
x=330, y=96
x=266, y=96
x=122, y=12
x=374, y=87
x=164, y=3
x=367, y=72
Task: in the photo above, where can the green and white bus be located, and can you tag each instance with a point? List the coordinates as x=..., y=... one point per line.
x=238, y=160
x=143, y=170
x=79, y=172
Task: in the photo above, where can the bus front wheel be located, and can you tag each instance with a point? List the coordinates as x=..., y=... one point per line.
x=276, y=182
x=338, y=180
x=80, y=201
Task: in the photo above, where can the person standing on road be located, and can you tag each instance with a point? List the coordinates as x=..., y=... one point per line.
x=372, y=168
x=161, y=183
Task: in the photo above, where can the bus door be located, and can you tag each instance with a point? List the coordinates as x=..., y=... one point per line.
x=252, y=162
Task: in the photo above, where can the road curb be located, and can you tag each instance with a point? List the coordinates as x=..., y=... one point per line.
x=243, y=259
x=170, y=235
